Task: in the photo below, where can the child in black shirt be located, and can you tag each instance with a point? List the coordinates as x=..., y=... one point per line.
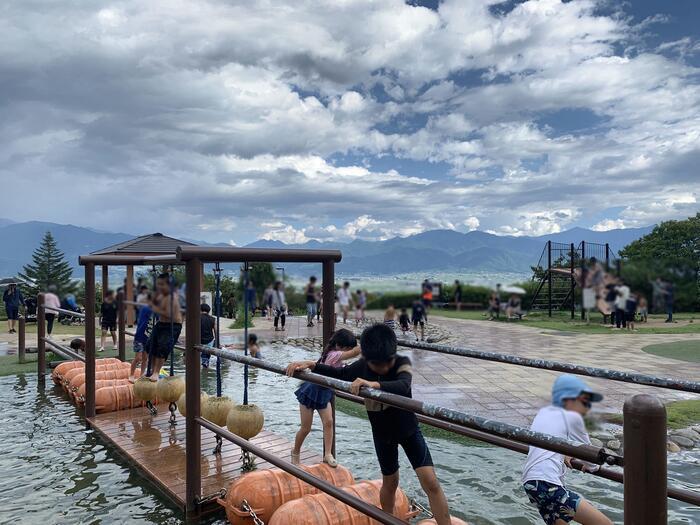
x=381, y=368
x=108, y=319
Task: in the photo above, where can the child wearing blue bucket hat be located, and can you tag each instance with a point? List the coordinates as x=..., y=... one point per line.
x=544, y=471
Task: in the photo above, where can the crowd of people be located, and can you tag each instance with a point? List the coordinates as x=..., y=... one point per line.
x=621, y=306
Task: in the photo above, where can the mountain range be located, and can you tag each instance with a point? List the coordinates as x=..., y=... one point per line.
x=435, y=250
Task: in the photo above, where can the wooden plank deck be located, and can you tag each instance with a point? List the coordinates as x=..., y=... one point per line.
x=157, y=451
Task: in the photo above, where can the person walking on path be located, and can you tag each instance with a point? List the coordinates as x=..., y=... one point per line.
x=231, y=307
x=12, y=297
x=279, y=306
x=311, y=299
x=623, y=295
x=458, y=295
x=267, y=301
x=51, y=300
x=344, y=300
x=668, y=300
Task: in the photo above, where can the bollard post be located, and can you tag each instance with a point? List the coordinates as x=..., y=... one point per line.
x=645, y=483
x=121, y=333
x=193, y=432
x=21, y=340
x=40, y=334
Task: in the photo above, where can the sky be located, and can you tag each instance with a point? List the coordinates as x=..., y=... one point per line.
x=230, y=121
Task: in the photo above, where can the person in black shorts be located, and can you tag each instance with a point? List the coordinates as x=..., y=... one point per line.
x=207, y=331
x=108, y=319
x=381, y=368
x=418, y=318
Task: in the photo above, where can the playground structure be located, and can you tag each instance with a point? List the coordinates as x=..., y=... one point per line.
x=558, y=273
x=194, y=484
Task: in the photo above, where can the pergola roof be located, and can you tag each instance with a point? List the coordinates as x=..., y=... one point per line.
x=145, y=245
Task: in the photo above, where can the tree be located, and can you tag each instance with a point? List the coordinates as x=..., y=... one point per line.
x=261, y=274
x=669, y=241
x=49, y=267
x=671, y=251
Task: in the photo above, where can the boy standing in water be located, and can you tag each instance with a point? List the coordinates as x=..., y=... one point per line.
x=381, y=368
x=165, y=304
x=108, y=319
x=418, y=317
x=544, y=471
x=141, y=338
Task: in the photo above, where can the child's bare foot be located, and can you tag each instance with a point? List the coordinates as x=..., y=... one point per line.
x=131, y=379
x=330, y=460
x=153, y=379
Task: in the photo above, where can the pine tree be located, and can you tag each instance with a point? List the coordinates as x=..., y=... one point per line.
x=48, y=267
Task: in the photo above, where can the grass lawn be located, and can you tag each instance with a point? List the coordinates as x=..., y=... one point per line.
x=58, y=329
x=682, y=350
x=562, y=321
x=680, y=414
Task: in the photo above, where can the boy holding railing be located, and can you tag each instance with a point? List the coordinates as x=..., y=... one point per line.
x=544, y=471
x=382, y=368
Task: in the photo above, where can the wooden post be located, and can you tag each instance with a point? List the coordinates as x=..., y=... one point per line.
x=105, y=280
x=121, y=334
x=193, y=432
x=129, y=294
x=21, y=340
x=328, y=289
x=549, y=277
x=40, y=334
x=573, y=284
x=89, y=340
x=645, y=470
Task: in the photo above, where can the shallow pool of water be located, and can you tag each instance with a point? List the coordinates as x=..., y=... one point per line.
x=53, y=470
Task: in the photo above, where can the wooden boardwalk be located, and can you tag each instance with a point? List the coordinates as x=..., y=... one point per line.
x=157, y=451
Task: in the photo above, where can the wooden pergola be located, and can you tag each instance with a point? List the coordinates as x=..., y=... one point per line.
x=151, y=245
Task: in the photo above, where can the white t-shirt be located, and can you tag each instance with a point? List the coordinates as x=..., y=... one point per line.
x=623, y=293
x=545, y=465
x=344, y=296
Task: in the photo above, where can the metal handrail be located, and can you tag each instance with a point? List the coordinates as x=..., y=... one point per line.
x=613, y=375
x=563, y=446
x=64, y=311
x=680, y=494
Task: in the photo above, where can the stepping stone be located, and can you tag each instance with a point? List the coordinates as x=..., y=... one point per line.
x=682, y=441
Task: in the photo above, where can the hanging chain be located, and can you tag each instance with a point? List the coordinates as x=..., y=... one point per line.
x=246, y=508
x=173, y=419
x=415, y=505
x=211, y=497
x=153, y=410
x=247, y=462
x=219, y=443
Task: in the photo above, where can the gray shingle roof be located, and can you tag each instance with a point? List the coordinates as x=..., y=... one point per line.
x=152, y=244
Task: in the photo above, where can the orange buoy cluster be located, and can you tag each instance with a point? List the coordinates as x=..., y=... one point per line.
x=279, y=498
x=113, y=391
x=267, y=490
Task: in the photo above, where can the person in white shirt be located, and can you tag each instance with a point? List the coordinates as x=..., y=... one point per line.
x=623, y=294
x=544, y=471
x=344, y=300
x=278, y=305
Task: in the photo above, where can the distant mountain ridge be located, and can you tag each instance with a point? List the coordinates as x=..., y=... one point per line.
x=435, y=250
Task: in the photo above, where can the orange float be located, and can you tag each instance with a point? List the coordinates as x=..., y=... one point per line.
x=323, y=509
x=267, y=490
x=453, y=520
x=119, y=373
x=79, y=394
x=99, y=367
x=62, y=368
x=117, y=397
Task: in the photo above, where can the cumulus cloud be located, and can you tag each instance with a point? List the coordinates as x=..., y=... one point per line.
x=298, y=120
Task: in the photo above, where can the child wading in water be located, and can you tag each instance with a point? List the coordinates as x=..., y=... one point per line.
x=381, y=368
x=165, y=304
x=141, y=339
x=312, y=397
x=544, y=471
